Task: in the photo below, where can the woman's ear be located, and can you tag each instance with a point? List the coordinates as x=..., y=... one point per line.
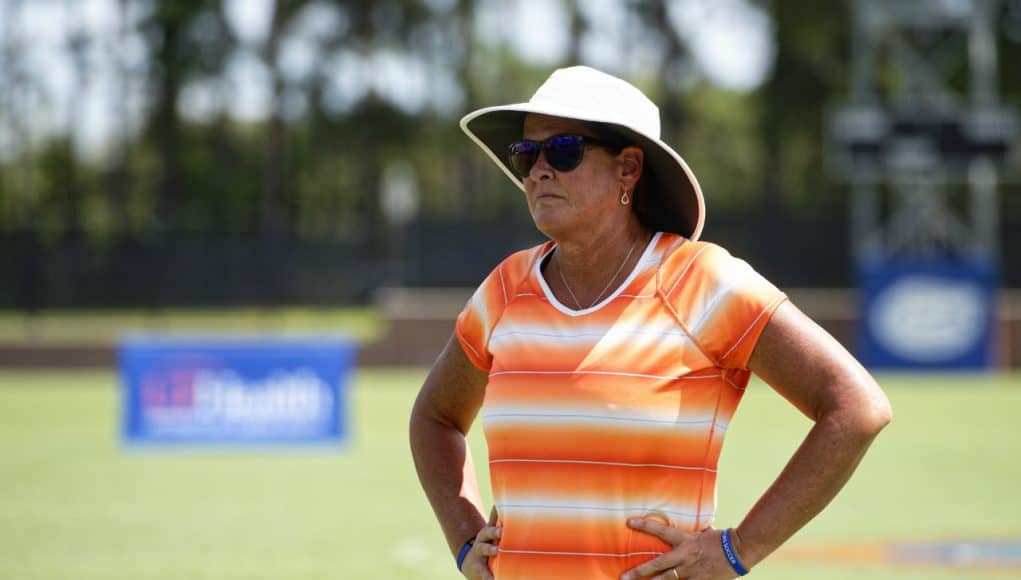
x=632, y=160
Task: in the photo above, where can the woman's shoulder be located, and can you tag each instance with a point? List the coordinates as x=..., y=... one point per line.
x=514, y=271
x=517, y=266
x=678, y=251
x=687, y=259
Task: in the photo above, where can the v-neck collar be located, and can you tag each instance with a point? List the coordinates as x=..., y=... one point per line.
x=640, y=266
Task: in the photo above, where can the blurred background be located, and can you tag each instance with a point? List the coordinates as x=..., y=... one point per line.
x=256, y=152
x=279, y=166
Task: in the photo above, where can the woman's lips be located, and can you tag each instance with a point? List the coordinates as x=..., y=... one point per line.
x=542, y=196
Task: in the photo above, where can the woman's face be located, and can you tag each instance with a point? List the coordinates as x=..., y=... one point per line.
x=582, y=199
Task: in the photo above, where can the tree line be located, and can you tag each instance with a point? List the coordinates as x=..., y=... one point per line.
x=333, y=138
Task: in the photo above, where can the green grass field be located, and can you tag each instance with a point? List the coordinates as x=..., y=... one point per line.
x=363, y=324
x=75, y=505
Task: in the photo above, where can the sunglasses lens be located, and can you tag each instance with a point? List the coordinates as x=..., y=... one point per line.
x=564, y=152
x=522, y=156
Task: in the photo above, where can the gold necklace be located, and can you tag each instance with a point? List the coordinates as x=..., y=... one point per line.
x=605, y=288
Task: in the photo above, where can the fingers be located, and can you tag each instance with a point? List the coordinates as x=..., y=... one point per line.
x=659, y=565
x=488, y=534
x=657, y=528
x=485, y=549
x=476, y=563
x=668, y=574
x=686, y=552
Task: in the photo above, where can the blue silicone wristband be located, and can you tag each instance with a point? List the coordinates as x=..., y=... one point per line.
x=728, y=551
x=463, y=552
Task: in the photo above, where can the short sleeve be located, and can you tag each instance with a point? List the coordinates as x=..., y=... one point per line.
x=475, y=323
x=723, y=302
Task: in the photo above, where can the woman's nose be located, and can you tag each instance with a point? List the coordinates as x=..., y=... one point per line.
x=540, y=169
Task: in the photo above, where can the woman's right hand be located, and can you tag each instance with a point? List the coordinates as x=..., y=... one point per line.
x=476, y=563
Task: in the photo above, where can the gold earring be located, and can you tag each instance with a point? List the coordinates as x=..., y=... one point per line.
x=625, y=198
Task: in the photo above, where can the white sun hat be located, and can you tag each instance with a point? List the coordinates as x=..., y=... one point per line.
x=668, y=197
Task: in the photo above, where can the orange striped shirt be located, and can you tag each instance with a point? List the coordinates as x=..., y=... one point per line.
x=611, y=412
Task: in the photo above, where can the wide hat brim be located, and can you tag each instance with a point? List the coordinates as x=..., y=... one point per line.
x=675, y=201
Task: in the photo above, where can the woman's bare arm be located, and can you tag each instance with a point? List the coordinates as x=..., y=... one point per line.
x=809, y=368
x=443, y=412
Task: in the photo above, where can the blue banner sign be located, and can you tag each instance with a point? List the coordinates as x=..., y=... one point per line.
x=234, y=391
x=934, y=314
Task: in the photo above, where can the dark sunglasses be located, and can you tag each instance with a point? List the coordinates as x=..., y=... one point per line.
x=563, y=152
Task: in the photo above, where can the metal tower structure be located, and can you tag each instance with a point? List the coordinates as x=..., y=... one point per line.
x=924, y=119
x=922, y=141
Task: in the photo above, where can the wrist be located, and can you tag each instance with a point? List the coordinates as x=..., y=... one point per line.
x=728, y=543
x=463, y=552
x=746, y=548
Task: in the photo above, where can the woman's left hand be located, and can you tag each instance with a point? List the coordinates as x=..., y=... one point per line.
x=694, y=556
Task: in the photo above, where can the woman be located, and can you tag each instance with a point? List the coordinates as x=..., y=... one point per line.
x=608, y=362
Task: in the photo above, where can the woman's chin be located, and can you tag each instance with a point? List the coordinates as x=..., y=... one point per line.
x=551, y=221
